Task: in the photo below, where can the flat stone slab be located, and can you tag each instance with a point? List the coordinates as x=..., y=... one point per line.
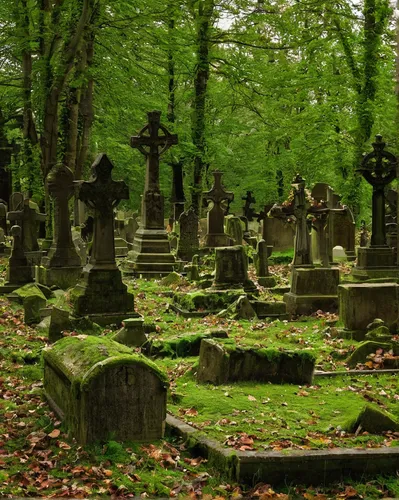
x=288, y=466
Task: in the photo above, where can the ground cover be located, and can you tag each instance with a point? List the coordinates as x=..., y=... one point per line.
x=38, y=459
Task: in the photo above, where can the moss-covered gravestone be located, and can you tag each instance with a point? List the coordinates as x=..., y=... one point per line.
x=100, y=293
x=223, y=362
x=231, y=269
x=103, y=391
x=19, y=271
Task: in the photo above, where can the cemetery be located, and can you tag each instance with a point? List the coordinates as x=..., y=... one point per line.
x=199, y=269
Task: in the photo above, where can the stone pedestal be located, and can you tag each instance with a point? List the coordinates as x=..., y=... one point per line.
x=217, y=240
x=102, y=296
x=132, y=334
x=375, y=262
x=34, y=258
x=361, y=303
x=151, y=255
x=121, y=249
x=312, y=289
x=62, y=277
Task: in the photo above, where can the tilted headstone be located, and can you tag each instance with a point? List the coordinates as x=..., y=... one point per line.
x=100, y=293
x=103, y=391
x=62, y=266
x=216, y=236
x=188, y=243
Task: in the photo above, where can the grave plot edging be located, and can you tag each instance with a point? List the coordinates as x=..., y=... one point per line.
x=312, y=467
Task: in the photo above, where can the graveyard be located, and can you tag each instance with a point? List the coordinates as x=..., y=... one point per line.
x=199, y=266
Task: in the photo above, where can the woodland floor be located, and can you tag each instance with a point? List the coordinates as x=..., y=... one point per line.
x=38, y=459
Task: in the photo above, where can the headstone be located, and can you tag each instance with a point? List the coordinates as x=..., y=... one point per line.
x=62, y=266
x=216, y=236
x=151, y=255
x=234, y=229
x=29, y=218
x=131, y=227
x=132, y=333
x=33, y=301
x=19, y=271
x=231, y=269
x=379, y=169
x=364, y=236
x=261, y=264
x=16, y=201
x=103, y=391
x=188, y=243
x=100, y=293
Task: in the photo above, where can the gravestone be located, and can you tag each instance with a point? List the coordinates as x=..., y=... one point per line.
x=151, y=255
x=16, y=201
x=234, y=229
x=62, y=266
x=377, y=261
x=19, y=271
x=29, y=217
x=100, y=293
x=131, y=227
x=3, y=217
x=188, y=243
x=261, y=264
x=364, y=235
x=231, y=269
x=216, y=236
x=103, y=391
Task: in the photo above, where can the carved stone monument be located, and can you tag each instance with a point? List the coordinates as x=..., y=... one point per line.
x=188, y=243
x=216, y=236
x=100, y=293
x=377, y=260
x=19, y=272
x=151, y=255
x=62, y=266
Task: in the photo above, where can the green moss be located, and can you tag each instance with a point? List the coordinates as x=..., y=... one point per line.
x=208, y=301
x=29, y=290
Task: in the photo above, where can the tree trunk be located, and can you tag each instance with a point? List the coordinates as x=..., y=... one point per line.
x=205, y=12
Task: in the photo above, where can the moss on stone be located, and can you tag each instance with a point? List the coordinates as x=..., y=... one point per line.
x=208, y=301
x=29, y=290
x=373, y=420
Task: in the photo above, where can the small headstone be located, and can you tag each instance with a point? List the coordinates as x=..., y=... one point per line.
x=234, y=229
x=231, y=269
x=33, y=301
x=18, y=270
x=261, y=264
x=59, y=322
x=131, y=227
x=132, y=334
x=188, y=243
x=16, y=201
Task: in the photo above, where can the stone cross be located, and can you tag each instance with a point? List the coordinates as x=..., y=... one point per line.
x=248, y=211
x=216, y=195
x=60, y=184
x=103, y=194
x=302, y=250
x=28, y=218
x=152, y=145
x=379, y=170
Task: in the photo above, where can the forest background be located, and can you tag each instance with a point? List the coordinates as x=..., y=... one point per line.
x=260, y=89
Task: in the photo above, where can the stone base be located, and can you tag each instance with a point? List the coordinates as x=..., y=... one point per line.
x=362, y=303
x=218, y=240
x=350, y=255
x=121, y=249
x=388, y=273
x=19, y=275
x=307, y=304
x=34, y=258
x=375, y=257
x=106, y=319
x=132, y=334
x=62, y=277
x=267, y=281
x=265, y=309
x=151, y=255
x=102, y=296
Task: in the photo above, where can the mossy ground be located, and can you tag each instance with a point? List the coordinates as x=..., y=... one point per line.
x=38, y=459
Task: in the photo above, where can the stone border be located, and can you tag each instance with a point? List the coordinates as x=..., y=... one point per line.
x=386, y=371
x=311, y=467
x=190, y=314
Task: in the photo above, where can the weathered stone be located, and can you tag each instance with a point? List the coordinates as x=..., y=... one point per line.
x=28, y=217
x=211, y=301
x=216, y=236
x=234, y=229
x=279, y=233
x=78, y=375
x=240, y=309
x=132, y=334
x=188, y=243
x=131, y=227
x=360, y=354
x=302, y=248
x=121, y=248
x=272, y=310
x=33, y=301
x=224, y=362
x=3, y=217
x=151, y=255
x=231, y=269
x=312, y=289
x=18, y=270
x=100, y=293
x=361, y=303
x=373, y=420
x=186, y=344
x=59, y=322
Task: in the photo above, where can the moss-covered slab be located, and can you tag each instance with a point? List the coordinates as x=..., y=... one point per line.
x=184, y=345
x=365, y=348
x=104, y=391
x=223, y=362
x=33, y=301
x=374, y=420
x=211, y=302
